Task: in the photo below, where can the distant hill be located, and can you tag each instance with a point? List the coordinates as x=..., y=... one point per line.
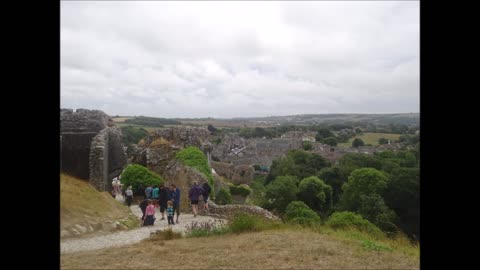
x=409, y=119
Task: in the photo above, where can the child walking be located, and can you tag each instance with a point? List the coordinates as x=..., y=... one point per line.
x=149, y=214
x=170, y=212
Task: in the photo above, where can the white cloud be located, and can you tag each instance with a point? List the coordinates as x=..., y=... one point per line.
x=228, y=59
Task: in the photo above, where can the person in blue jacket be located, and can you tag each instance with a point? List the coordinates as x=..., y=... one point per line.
x=175, y=197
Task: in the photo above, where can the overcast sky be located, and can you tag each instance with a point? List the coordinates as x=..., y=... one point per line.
x=240, y=59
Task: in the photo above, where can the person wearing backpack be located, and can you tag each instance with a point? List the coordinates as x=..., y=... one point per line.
x=193, y=195
x=206, y=193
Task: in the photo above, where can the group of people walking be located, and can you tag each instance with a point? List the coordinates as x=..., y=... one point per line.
x=168, y=200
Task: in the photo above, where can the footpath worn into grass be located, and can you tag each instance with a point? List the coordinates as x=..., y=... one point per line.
x=271, y=249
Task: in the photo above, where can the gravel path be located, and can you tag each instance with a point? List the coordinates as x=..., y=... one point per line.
x=122, y=238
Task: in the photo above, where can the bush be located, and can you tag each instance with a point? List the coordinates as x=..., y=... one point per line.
x=242, y=190
x=280, y=193
x=357, y=142
x=207, y=228
x=332, y=141
x=223, y=197
x=348, y=220
x=299, y=213
x=243, y=223
x=138, y=176
x=131, y=135
x=307, y=146
x=194, y=157
x=316, y=194
x=256, y=167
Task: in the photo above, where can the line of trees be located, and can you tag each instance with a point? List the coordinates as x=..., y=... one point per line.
x=383, y=188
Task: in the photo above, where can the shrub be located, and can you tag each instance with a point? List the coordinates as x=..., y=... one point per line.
x=307, y=146
x=243, y=223
x=316, y=194
x=207, y=228
x=242, y=190
x=347, y=220
x=332, y=141
x=280, y=193
x=136, y=175
x=131, y=135
x=357, y=142
x=298, y=212
x=194, y=157
x=223, y=197
x=256, y=167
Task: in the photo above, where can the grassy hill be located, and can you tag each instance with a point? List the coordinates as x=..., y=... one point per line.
x=290, y=248
x=80, y=202
x=371, y=138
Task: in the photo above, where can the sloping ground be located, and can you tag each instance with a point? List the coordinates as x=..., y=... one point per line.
x=80, y=202
x=274, y=249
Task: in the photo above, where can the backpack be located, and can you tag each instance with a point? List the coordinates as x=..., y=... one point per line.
x=206, y=188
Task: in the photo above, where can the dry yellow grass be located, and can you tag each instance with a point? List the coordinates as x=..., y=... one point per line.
x=80, y=202
x=120, y=119
x=159, y=142
x=277, y=249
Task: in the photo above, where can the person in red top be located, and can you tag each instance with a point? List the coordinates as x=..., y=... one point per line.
x=149, y=218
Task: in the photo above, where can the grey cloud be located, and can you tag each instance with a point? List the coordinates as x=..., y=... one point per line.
x=229, y=59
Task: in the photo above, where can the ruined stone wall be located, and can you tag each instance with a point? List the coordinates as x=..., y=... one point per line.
x=183, y=177
x=230, y=210
x=91, y=146
x=75, y=153
x=107, y=158
x=117, y=157
x=98, y=161
x=83, y=120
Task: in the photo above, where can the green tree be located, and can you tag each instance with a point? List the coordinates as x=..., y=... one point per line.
x=299, y=213
x=281, y=192
x=323, y=133
x=352, y=161
x=298, y=163
x=333, y=177
x=223, y=197
x=403, y=197
x=138, y=176
x=357, y=142
x=382, y=141
x=194, y=157
x=347, y=220
x=316, y=194
x=373, y=208
x=332, y=141
x=307, y=146
x=131, y=135
x=365, y=181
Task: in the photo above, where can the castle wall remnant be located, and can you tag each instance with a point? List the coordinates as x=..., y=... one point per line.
x=91, y=147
